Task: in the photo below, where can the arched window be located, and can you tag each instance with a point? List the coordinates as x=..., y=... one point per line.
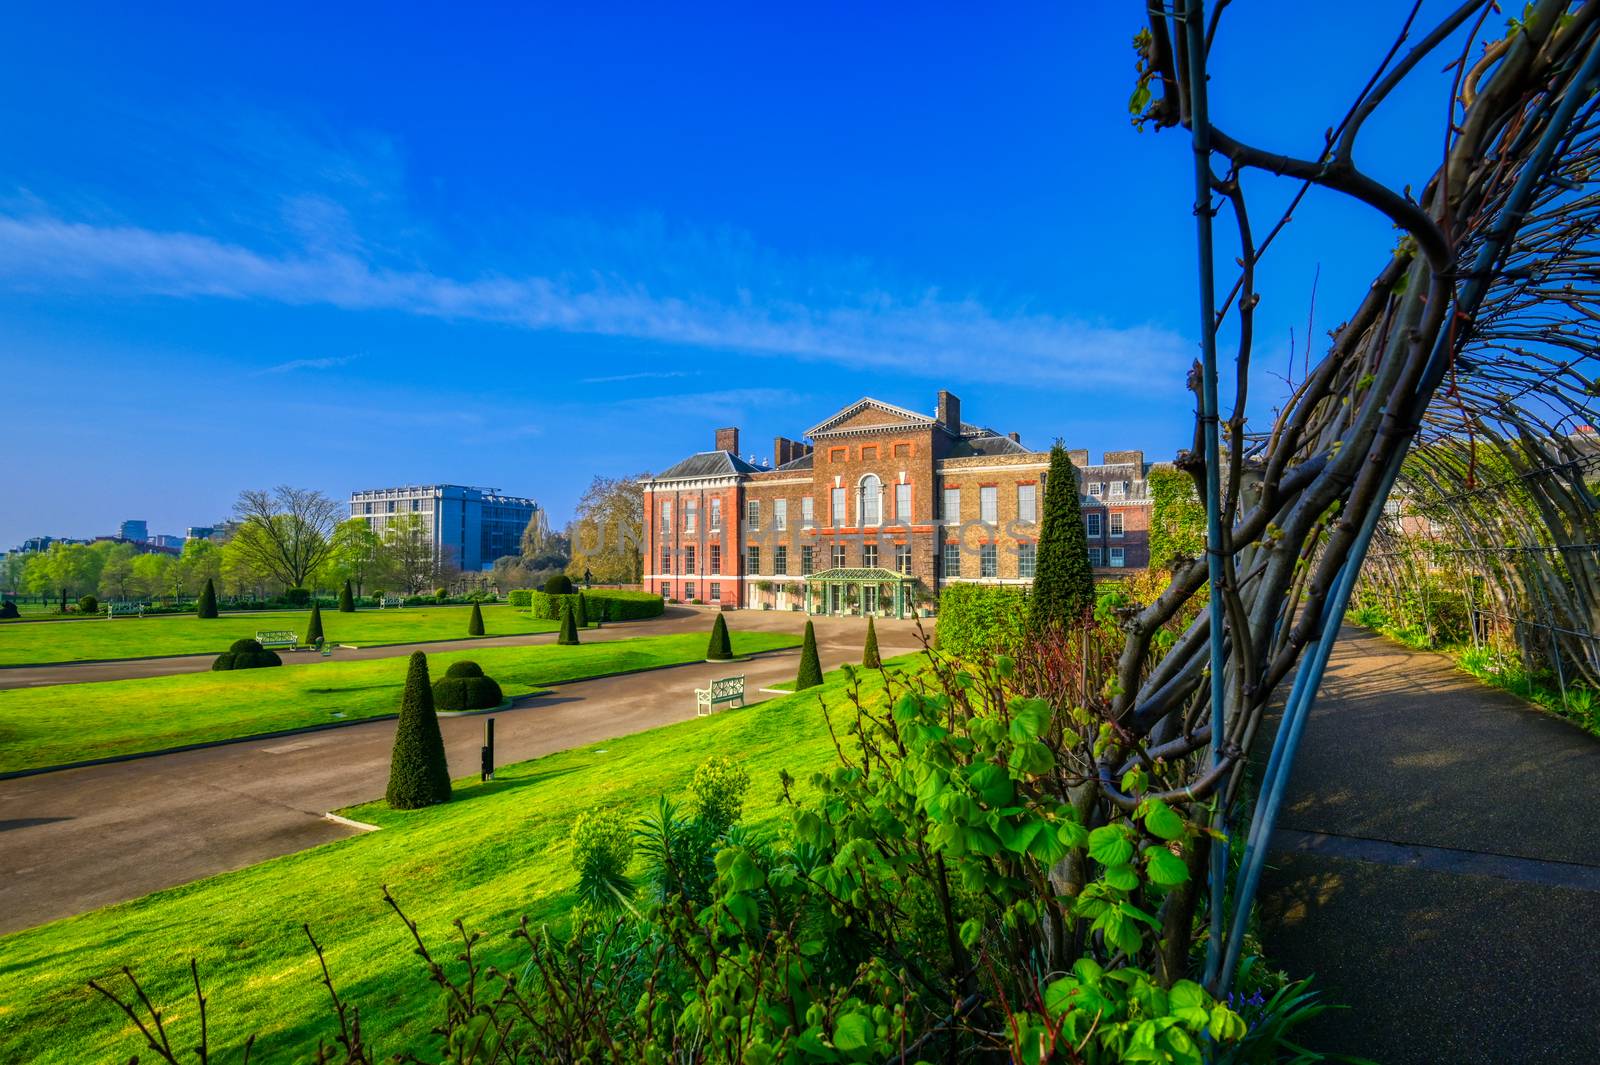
x=871, y=509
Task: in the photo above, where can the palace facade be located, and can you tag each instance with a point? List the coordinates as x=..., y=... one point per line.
x=874, y=511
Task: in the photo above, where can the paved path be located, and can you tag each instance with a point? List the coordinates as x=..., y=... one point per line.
x=1438, y=867
x=82, y=838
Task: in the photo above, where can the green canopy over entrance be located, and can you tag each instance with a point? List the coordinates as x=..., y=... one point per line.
x=866, y=590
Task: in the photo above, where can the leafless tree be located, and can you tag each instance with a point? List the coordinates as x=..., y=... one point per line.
x=286, y=532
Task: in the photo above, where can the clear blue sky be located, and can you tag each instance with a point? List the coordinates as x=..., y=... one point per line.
x=346, y=247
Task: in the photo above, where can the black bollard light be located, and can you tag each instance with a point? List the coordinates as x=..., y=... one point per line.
x=488, y=749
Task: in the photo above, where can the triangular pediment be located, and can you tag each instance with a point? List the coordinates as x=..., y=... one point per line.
x=869, y=413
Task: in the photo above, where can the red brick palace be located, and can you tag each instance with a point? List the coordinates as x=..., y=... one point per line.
x=881, y=509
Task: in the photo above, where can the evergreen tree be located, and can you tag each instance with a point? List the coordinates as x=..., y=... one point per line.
x=475, y=623
x=869, y=654
x=810, y=668
x=208, y=601
x=1063, y=580
x=579, y=612
x=720, y=649
x=314, y=627
x=347, y=599
x=568, y=636
x=418, y=773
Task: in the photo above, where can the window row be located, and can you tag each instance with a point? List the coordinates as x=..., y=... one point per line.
x=989, y=504
x=871, y=452
x=1114, y=558
x=955, y=563
x=1114, y=489
x=1092, y=524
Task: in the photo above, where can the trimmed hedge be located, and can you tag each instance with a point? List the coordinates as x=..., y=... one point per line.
x=88, y=605
x=720, y=649
x=347, y=600
x=599, y=604
x=8, y=610
x=464, y=687
x=246, y=654
x=475, y=622
x=297, y=596
x=314, y=636
x=207, y=607
x=559, y=584
x=810, y=674
x=568, y=636
x=869, y=653
x=980, y=619
x=418, y=773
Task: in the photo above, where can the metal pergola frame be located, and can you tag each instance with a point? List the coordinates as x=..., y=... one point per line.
x=859, y=578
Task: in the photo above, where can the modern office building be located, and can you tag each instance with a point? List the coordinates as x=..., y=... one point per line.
x=165, y=541
x=135, y=530
x=471, y=527
x=880, y=510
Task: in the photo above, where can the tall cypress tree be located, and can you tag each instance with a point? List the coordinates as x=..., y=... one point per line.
x=869, y=654
x=810, y=668
x=1063, y=580
x=314, y=626
x=347, y=599
x=580, y=614
x=568, y=636
x=208, y=601
x=418, y=773
x=475, y=623
x=720, y=649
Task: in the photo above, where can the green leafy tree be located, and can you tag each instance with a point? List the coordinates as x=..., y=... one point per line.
x=810, y=674
x=1177, y=517
x=358, y=554
x=208, y=601
x=287, y=532
x=314, y=627
x=869, y=654
x=418, y=772
x=568, y=636
x=475, y=623
x=720, y=649
x=607, y=530
x=200, y=562
x=1063, y=581
x=347, y=599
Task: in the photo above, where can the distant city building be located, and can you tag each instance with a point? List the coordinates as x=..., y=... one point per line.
x=470, y=527
x=165, y=541
x=200, y=532
x=135, y=530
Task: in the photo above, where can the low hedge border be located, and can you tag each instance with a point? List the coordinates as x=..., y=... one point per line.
x=599, y=604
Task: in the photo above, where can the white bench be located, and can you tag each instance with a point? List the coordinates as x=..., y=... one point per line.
x=391, y=601
x=124, y=610
x=723, y=690
x=278, y=638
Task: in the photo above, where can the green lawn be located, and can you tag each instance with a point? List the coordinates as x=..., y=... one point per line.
x=497, y=852
x=39, y=642
x=73, y=722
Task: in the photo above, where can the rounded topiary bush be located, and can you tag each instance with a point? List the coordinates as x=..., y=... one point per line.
x=246, y=654
x=464, y=687
x=560, y=584
x=297, y=596
x=88, y=605
x=8, y=610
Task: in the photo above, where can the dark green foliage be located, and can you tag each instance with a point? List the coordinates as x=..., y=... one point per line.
x=979, y=620
x=246, y=654
x=441, y=594
x=568, y=637
x=8, y=610
x=869, y=654
x=1177, y=517
x=720, y=648
x=599, y=604
x=464, y=687
x=88, y=605
x=297, y=596
x=418, y=773
x=558, y=584
x=580, y=615
x=208, y=601
x=475, y=622
x=810, y=667
x=314, y=627
x=347, y=600
x=1063, y=581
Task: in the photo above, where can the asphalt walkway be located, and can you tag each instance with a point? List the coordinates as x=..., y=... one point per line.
x=1437, y=866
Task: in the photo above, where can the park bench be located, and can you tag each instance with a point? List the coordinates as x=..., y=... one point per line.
x=722, y=690
x=124, y=610
x=390, y=600
x=278, y=638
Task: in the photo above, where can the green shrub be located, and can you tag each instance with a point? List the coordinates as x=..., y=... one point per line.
x=720, y=649
x=246, y=654
x=347, y=600
x=314, y=626
x=869, y=653
x=1063, y=580
x=519, y=598
x=602, y=847
x=810, y=674
x=297, y=597
x=418, y=772
x=8, y=610
x=579, y=614
x=475, y=622
x=980, y=619
x=558, y=584
x=719, y=786
x=1177, y=517
x=207, y=607
x=464, y=687
x=568, y=636
x=88, y=605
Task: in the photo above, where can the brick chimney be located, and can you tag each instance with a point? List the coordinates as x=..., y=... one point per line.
x=1015, y=438
x=949, y=414
x=728, y=440
x=786, y=450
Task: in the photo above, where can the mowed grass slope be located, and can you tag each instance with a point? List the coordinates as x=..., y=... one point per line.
x=75, y=722
x=496, y=853
x=88, y=639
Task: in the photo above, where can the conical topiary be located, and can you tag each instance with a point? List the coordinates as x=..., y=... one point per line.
x=568, y=636
x=810, y=668
x=1063, y=580
x=208, y=601
x=578, y=612
x=475, y=622
x=720, y=649
x=347, y=599
x=314, y=626
x=418, y=773
x=869, y=654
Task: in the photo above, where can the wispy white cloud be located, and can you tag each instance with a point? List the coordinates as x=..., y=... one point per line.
x=924, y=334
x=308, y=364
x=646, y=375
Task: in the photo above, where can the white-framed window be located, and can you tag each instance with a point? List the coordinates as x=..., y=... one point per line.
x=688, y=559
x=1116, y=556
x=902, y=558
x=1094, y=556
x=780, y=560
x=752, y=513
x=808, y=560
x=666, y=516
x=838, y=556
x=688, y=590
x=780, y=514
x=1027, y=560
x=716, y=592
x=1027, y=502
x=715, y=559
x=666, y=559
x=1091, y=524
x=869, y=556
x=1095, y=488
x=1119, y=489
x=752, y=560
x=837, y=515
x=902, y=503
x=988, y=561
x=691, y=515
x=1116, y=523
x=807, y=516
x=989, y=505
x=871, y=508
x=952, y=506
x=716, y=514
x=952, y=559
